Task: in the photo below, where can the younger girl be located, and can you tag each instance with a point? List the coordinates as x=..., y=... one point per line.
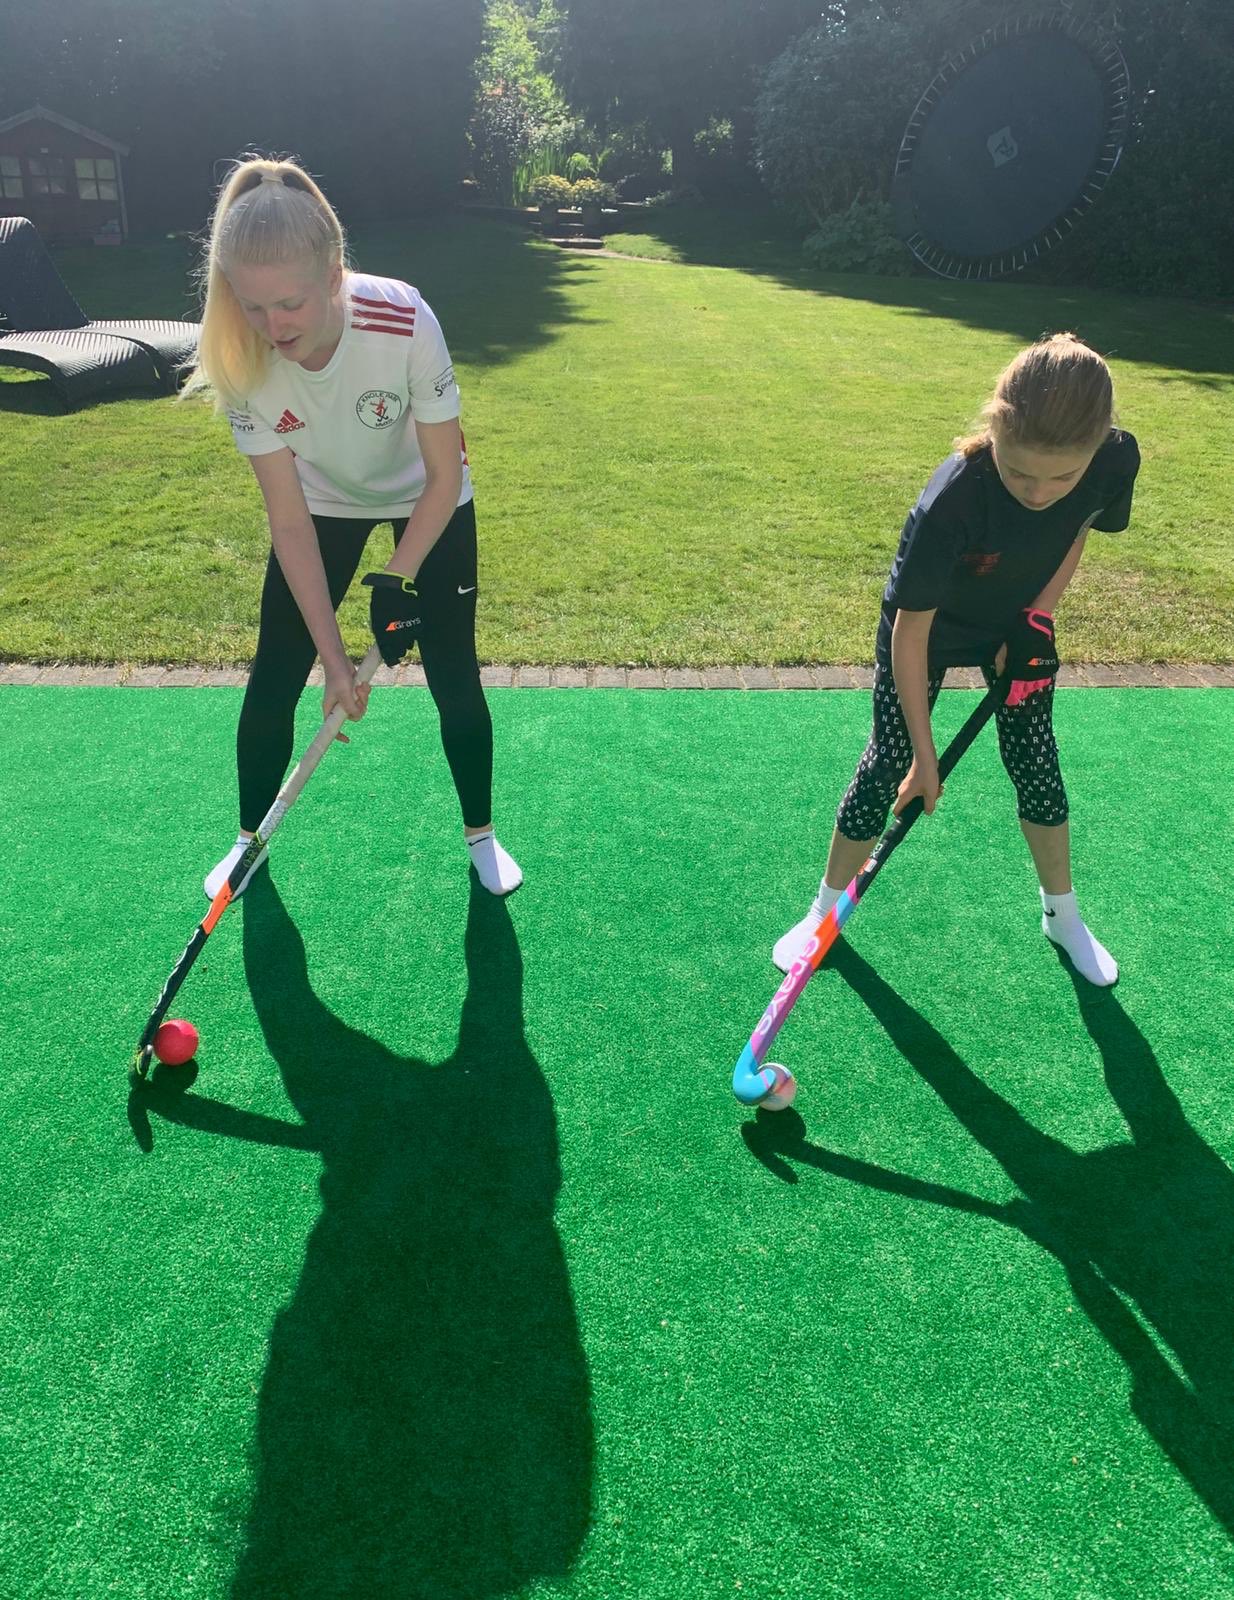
x=340, y=391
x=984, y=556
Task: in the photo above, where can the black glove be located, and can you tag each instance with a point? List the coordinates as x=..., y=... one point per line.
x=1032, y=659
x=1031, y=651
x=394, y=613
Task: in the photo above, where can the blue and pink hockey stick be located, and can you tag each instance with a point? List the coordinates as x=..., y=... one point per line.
x=772, y=1085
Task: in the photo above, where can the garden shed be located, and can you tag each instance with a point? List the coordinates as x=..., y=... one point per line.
x=66, y=178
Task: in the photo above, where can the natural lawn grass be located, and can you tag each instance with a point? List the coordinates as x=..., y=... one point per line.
x=758, y=239
x=674, y=463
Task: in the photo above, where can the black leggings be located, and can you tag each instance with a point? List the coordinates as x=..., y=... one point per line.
x=285, y=653
x=1025, y=741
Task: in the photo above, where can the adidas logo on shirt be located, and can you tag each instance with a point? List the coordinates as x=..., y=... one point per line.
x=288, y=422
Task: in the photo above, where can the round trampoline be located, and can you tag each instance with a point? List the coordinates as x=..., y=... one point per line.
x=1010, y=145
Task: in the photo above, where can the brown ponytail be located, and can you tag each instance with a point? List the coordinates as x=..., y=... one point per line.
x=1056, y=395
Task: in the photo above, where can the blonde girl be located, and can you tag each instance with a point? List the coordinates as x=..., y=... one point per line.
x=984, y=557
x=340, y=391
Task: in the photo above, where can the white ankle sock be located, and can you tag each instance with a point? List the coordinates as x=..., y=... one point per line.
x=1062, y=925
x=496, y=868
x=790, y=945
x=825, y=899
x=219, y=875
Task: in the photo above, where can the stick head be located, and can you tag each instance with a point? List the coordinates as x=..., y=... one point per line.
x=751, y=1081
x=766, y=1084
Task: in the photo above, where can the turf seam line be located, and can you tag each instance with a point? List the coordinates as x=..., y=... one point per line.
x=1087, y=675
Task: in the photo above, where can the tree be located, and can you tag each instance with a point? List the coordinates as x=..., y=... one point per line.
x=832, y=109
x=675, y=65
x=518, y=108
x=1166, y=220
x=376, y=101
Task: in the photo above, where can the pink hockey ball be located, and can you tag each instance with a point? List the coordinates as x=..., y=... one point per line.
x=176, y=1042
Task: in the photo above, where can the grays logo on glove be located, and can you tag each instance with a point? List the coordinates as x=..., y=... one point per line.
x=395, y=613
x=1032, y=657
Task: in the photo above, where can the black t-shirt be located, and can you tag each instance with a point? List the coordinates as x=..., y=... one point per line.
x=971, y=552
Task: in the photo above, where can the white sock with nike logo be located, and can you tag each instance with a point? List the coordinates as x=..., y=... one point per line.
x=1063, y=925
x=496, y=868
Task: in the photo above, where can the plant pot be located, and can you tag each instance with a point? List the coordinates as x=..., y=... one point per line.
x=593, y=222
x=548, y=218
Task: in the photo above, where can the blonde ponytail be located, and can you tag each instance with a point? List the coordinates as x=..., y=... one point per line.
x=267, y=211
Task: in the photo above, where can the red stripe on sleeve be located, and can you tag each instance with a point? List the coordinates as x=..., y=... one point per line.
x=385, y=305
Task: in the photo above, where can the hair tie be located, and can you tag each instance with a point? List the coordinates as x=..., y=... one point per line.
x=272, y=177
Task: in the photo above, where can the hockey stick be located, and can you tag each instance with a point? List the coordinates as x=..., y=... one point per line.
x=773, y=1085
x=282, y=805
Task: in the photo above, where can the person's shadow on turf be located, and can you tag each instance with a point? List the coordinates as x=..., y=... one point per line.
x=424, y=1426
x=1149, y=1223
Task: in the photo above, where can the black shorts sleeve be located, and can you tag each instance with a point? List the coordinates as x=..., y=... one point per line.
x=1115, y=514
x=929, y=550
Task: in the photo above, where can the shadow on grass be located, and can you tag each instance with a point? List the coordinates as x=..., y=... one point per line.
x=1192, y=337
x=150, y=277
x=424, y=1426
x=498, y=291
x=752, y=238
x=1144, y=1230
x=33, y=395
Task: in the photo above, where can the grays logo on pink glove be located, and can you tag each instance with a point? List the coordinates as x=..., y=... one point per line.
x=1032, y=657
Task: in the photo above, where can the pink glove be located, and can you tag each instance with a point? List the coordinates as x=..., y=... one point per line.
x=1031, y=645
x=1021, y=688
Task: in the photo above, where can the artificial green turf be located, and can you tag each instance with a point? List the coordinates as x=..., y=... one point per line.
x=458, y=1273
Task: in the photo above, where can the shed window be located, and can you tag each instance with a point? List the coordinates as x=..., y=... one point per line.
x=11, y=186
x=48, y=174
x=96, y=180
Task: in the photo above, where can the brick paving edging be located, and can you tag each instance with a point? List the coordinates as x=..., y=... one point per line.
x=1191, y=675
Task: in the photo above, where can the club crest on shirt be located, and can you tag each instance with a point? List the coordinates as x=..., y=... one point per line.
x=379, y=408
x=981, y=563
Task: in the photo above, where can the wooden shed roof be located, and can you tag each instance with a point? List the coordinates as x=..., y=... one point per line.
x=37, y=113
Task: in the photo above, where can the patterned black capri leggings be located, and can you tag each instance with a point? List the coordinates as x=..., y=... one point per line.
x=1025, y=741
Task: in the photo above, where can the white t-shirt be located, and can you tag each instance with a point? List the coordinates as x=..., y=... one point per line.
x=351, y=426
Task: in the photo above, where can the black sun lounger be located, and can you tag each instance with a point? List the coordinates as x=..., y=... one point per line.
x=45, y=330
